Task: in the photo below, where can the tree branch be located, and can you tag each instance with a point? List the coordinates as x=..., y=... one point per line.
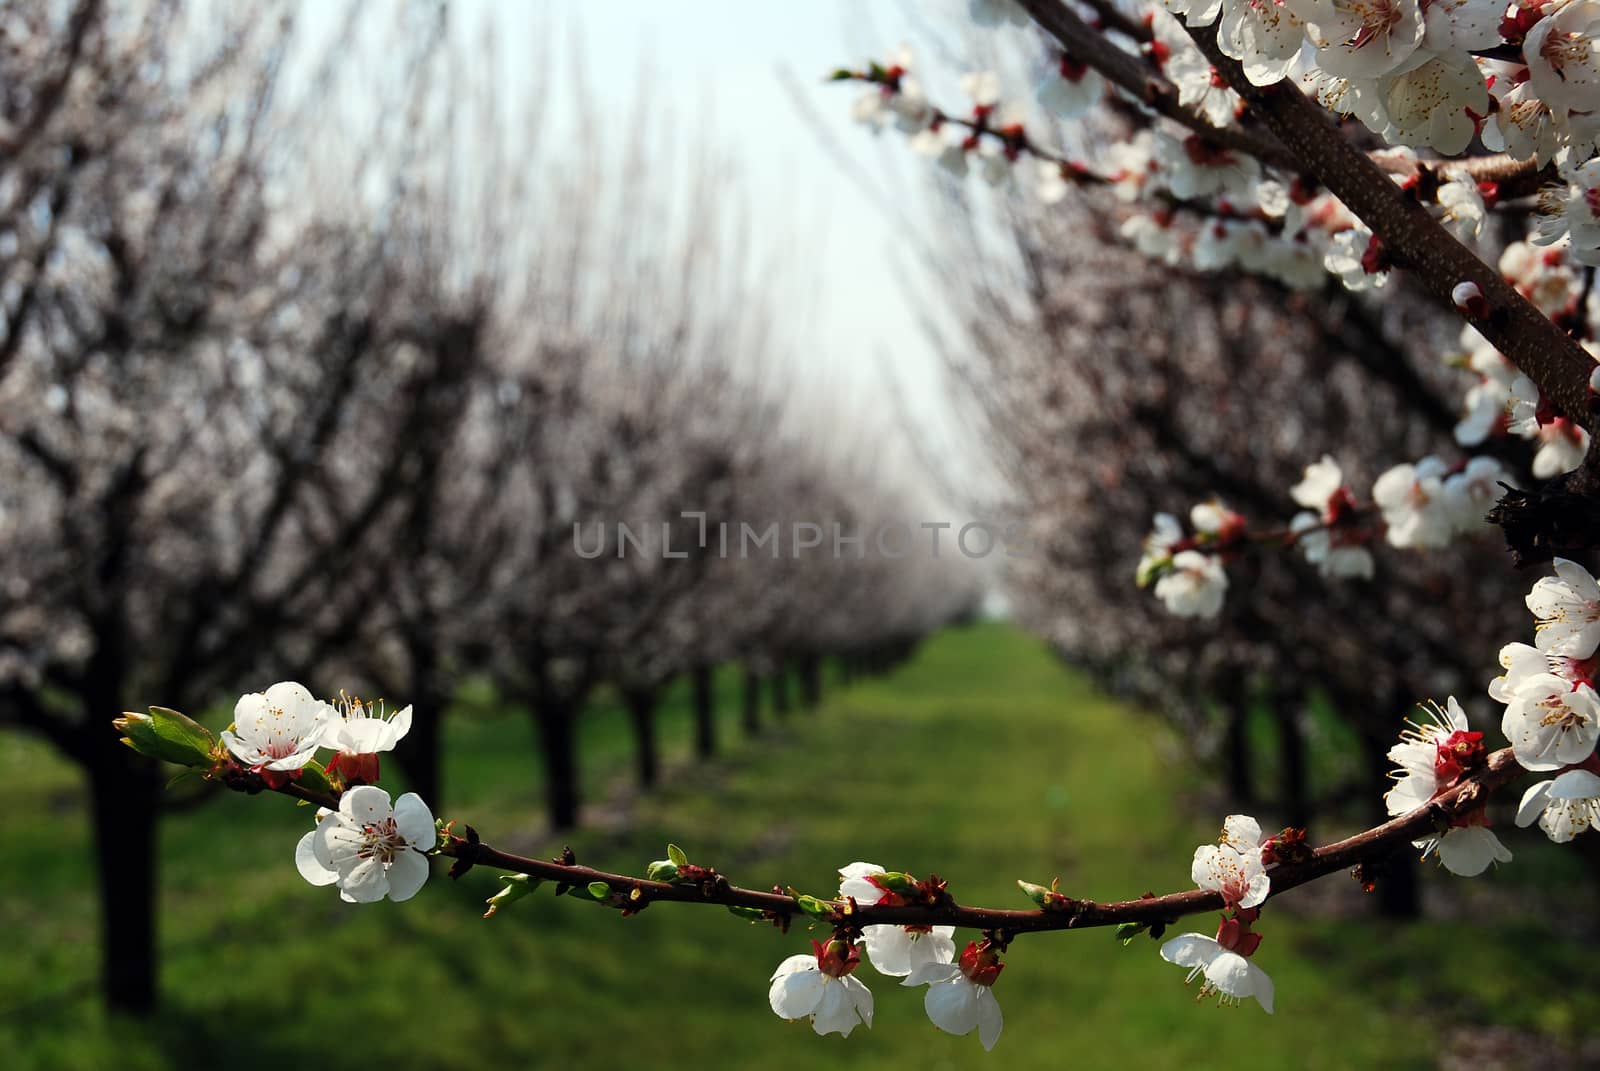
x=1373, y=844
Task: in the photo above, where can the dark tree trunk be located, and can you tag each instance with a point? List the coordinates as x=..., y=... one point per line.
x=1235, y=702
x=125, y=793
x=811, y=682
x=420, y=753
x=641, y=704
x=1294, y=787
x=780, y=691
x=705, y=713
x=558, y=751
x=750, y=711
x=1398, y=892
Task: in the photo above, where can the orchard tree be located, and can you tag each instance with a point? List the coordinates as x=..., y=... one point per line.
x=1264, y=181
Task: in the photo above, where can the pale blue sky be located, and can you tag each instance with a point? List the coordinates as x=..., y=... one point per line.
x=721, y=62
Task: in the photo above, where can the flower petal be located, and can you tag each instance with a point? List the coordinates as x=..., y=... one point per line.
x=407, y=874
x=953, y=1005
x=414, y=822
x=306, y=861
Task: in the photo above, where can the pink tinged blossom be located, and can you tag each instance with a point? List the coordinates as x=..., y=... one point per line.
x=278, y=730
x=894, y=950
x=1563, y=806
x=1567, y=609
x=1263, y=35
x=1462, y=25
x=1430, y=758
x=375, y=850
x=1433, y=104
x=360, y=733
x=819, y=986
x=960, y=995
x=1562, y=52
x=1469, y=299
x=1360, y=39
x=1551, y=722
x=1233, y=866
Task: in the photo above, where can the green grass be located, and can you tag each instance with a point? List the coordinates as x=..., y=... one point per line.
x=983, y=760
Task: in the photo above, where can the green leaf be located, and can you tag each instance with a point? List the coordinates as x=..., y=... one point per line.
x=1128, y=931
x=754, y=914
x=662, y=870
x=314, y=777
x=841, y=75
x=810, y=904
x=599, y=890
x=676, y=854
x=167, y=735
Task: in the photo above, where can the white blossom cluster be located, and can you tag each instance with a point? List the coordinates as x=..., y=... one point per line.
x=371, y=848
x=1426, y=504
x=1503, y=401
x=1448, y=77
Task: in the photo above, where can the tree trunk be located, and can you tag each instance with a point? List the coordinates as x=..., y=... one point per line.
x=750, y=712
x=125, y=793
x=811, y=682
x=780, y=692
x=558, y=751
x=420, y=754
x=641, y=704
x=1398, y=892
x=705, y=713
x=1234, y=699
x=1294, y=789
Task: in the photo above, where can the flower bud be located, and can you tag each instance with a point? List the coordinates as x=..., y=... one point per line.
x=517, y=886
x=167, y=735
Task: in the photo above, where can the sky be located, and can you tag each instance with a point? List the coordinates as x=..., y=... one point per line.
x=749, y=74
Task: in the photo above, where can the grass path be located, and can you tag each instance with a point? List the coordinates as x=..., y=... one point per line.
x=983, y=760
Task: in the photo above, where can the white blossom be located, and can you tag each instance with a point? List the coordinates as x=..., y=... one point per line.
x=1563, y=806
x=1416, y=508
x=1071, y=89
x=278, y=730
x=1263, y=35
x=960, y=995
x=1361, y=38
x=1567, y=609
x=1562, y=51
x=1233, y=866
x=818, y=986
x=1228, y=974
x=1551, y=722
x=1326, y=549
x=894, y=950
x=1572, y=211
x=1195, y=587
x=1429, y=759
x=375, y=851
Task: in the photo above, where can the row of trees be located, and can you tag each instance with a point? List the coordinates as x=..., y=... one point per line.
x=257, y=427
x=1112, y=386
